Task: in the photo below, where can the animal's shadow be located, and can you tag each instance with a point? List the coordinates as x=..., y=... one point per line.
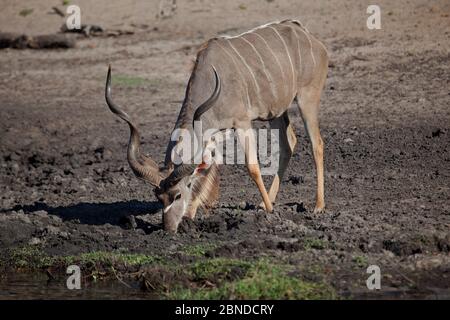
x=116, y=213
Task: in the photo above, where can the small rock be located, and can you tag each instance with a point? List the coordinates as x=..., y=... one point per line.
x=24, y=218
x=41, y=214
x=74, y=163
x=58, y=179
x=34, y=241
x=348, y=140
x=107, y=154
x=15, y=167
x=64, y=235
x=55, y=218
x=13, y=157
x=52, y=230
x=243, y=205
x=388, y=253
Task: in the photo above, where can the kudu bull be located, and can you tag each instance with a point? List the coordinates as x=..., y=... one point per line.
x=256, y=75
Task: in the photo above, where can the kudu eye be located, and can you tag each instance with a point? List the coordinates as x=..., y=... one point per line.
x=178, y=196
x=189, y=184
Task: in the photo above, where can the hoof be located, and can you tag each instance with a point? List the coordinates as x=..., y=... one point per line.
x=319, y=210
x=263, y=206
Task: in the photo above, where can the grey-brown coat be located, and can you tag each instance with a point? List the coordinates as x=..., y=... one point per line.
x=257, y=76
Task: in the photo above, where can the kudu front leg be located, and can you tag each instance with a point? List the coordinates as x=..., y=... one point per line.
x=248, y=143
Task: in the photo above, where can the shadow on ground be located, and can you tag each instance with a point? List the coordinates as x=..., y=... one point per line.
x=95, y=213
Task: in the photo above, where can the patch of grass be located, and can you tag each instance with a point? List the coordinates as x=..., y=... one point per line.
x=101, y=264
x=110, y=259
x=132, y=81
x=215, y=278
x=242, y=7
x=26, y=12
x=198, y=250
x=314, y=243
x=33, y=258
x=262, y=280
x=219, y=268
x=28, y=257
x=360, y=261
x=65, y=2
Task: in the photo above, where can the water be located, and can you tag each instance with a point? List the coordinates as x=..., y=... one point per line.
x=37, y=286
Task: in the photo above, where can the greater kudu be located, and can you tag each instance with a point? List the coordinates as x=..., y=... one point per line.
x=255, y=75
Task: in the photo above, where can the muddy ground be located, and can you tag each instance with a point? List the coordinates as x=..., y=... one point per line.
x=66, y=189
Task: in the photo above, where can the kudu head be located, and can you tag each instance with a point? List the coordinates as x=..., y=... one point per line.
x=181, y=189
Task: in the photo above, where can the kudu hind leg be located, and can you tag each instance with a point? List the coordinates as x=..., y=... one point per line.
x=287, y=144
x=309, y=100
x=247, y=141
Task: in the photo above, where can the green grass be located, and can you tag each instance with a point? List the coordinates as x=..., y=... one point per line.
x=360, y=261
x=214, y=278
x=218, y=269
x=314, y=243
x=65, y=2
x=28, y=257
x=132, y=81
x=198, y=250
x=261, y=280
x=110, y=259
x=33, y=258
x=26, y=12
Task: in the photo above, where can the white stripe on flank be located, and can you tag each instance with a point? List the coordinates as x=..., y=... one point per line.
x=249, y=104
x=238, y=69
x=248, y=67
x=269, y=78
x=271, y=51
x=299, y=51
x=289, y=56
x=310, y=45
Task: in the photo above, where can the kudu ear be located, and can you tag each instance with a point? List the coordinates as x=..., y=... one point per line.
x=202, y=169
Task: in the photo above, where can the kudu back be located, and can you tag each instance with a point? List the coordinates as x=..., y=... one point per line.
x=235, y=80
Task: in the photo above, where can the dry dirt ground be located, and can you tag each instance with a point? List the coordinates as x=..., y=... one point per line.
x=66, y=189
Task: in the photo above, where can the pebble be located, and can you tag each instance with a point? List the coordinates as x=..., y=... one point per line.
x=34, y=241
x=52, y=230
x=243, y=205
x=41, y=213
